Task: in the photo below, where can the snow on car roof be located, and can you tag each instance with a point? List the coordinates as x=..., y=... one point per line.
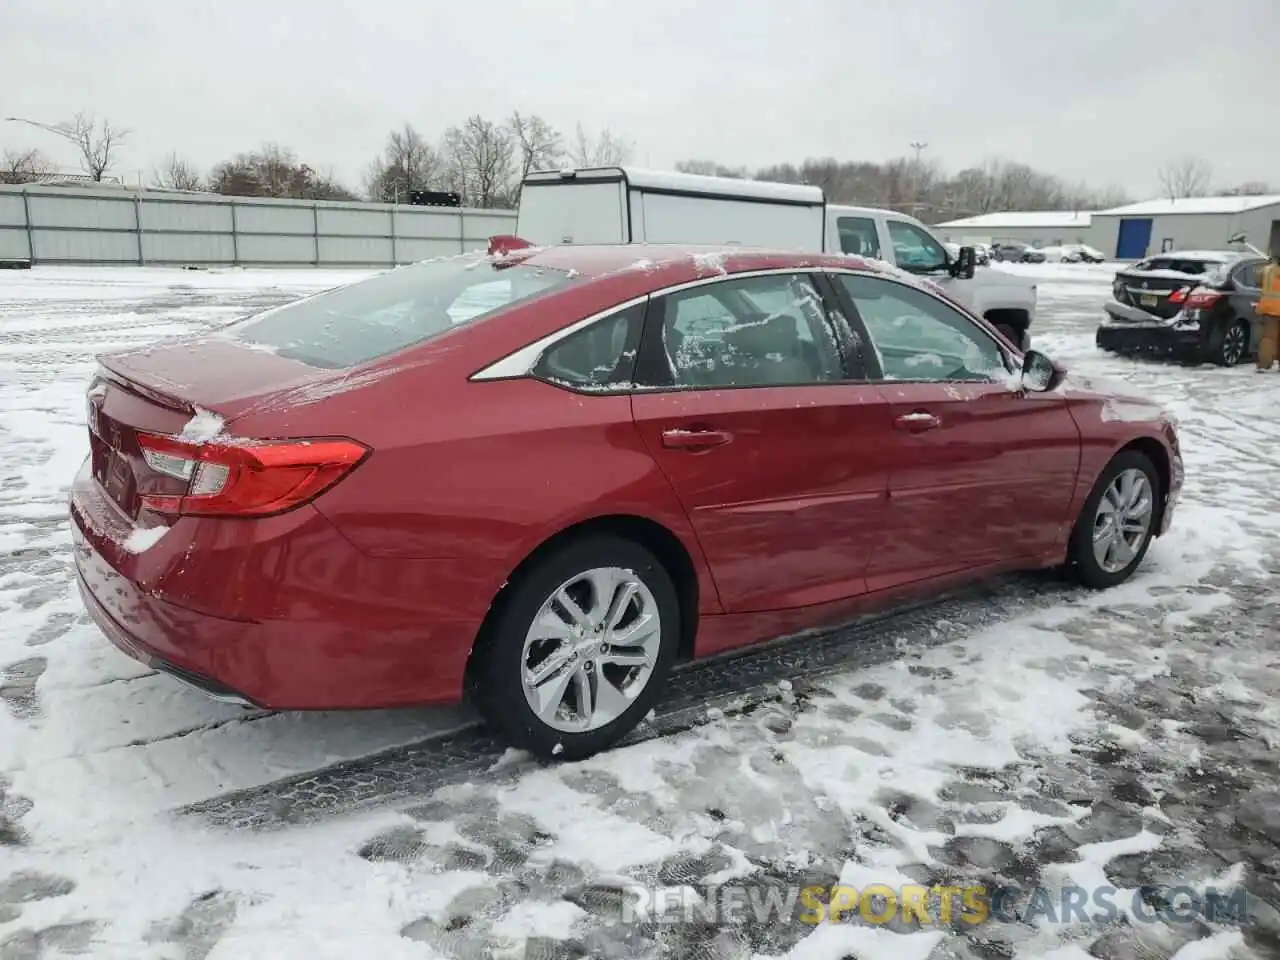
x=1189, y=205
x=688, y=183
x=1212, y=256
x=598, y=260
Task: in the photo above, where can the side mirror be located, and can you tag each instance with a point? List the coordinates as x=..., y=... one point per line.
x=963, y=266
x=1039, y=373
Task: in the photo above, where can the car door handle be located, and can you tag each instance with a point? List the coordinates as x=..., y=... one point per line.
x=679, y=439
x=917, y=422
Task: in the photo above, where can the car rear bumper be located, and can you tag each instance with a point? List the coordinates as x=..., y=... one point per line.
x=334, y=630
x=1121, y=333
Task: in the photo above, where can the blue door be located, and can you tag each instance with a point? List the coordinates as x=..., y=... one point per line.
x=1135, y=237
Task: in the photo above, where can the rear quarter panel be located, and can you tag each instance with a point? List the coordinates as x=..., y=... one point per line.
x=483, y=473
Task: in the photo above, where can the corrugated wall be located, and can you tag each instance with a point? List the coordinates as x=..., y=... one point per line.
x=78, y=226
x=1200, y=231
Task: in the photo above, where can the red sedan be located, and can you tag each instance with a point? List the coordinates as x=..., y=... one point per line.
x=543, y=477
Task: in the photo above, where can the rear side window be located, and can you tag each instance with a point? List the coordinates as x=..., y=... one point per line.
x=395, y=310
x=599, y=358
x=858, y=235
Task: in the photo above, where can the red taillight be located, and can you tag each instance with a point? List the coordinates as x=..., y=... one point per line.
x=1201, y=298
x=247, y=478
x=1179, y=295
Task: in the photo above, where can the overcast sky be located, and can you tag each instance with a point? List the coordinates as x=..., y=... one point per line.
x=1095, y=90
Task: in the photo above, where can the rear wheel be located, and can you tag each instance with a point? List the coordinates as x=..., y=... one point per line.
x=580, y=649
x=1234, y=344
x=1117, y=523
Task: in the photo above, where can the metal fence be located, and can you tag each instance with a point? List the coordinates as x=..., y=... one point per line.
x=56, y=225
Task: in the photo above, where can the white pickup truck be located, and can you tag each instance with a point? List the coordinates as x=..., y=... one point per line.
x=627, y=205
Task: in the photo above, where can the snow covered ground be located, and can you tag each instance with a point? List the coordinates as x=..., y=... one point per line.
x=1037, y=736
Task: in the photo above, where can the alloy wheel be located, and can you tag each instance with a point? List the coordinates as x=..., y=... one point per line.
x=591, y=650
x=1233, y=344
x=1123, y=520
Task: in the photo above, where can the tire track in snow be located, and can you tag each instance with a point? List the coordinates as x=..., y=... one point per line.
x=697, y=693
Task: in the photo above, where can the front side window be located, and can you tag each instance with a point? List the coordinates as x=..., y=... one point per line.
x=858, y=235
x=918, y=337
x=599, y=358
x=754, y=331
x=395, y=310
x=915, y=249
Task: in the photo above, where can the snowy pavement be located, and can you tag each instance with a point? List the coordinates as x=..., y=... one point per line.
x=1027, y=736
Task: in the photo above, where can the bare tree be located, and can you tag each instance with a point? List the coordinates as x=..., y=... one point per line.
x=274, y=171
x=1250, y=188
x=1188, y=176
x=1112, y=195
x=177, y=174
x=480, y=161
x=98, y=142
x=408, y=163
x=606, y=150
x=24, y=166
x=540, y=144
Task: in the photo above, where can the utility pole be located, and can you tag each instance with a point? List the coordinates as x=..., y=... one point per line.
x=918, y=148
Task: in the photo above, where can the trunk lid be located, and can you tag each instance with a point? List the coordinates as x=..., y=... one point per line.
x=1153, y=285
x=182, y=387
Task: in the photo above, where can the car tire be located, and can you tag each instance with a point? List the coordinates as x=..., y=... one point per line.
x=510, y=645
x=1108, y=570
x=1234, y=345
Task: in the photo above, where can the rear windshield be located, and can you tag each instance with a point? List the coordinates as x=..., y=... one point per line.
x=1182, y=265
x=394, y=310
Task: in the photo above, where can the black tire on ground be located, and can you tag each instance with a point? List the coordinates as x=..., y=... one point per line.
x=1081, y=563
x=1233, y=346
x=498, y=688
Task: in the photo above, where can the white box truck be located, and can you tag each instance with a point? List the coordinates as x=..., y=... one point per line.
x=628, y=205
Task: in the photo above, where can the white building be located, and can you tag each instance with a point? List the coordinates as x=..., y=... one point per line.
x=1136, y=230
x=1193, y=223
x=1048, y=228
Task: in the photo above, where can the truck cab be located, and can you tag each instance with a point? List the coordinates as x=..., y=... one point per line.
x=630, y=205
x=1007, y=301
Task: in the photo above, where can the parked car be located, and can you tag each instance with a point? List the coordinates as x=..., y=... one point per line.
x=1082, y=253
x=1194, y=306
x=628, y=205
x=542, y=477
x=1014, y=252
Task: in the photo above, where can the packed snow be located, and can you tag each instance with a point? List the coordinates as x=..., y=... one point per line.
x=203, y=427
x=1055, y=738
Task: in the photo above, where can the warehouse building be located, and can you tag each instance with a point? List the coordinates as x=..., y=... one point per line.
x=1192, y=223
x=1048, y=228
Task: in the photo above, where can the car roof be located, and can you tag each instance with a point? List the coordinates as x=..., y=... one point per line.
x=1213, y=256
x=669, y=263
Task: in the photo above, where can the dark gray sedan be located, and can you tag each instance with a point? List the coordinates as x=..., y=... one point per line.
x=1015, y=252
x=1195, y=306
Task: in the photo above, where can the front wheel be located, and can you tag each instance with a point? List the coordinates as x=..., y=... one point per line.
x=1117, y=523
x=580, y=649
x=1234, y=345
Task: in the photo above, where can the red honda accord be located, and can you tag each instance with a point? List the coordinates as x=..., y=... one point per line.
x=544, y=476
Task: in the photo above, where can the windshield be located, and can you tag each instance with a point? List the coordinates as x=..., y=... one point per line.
x=394, y=310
